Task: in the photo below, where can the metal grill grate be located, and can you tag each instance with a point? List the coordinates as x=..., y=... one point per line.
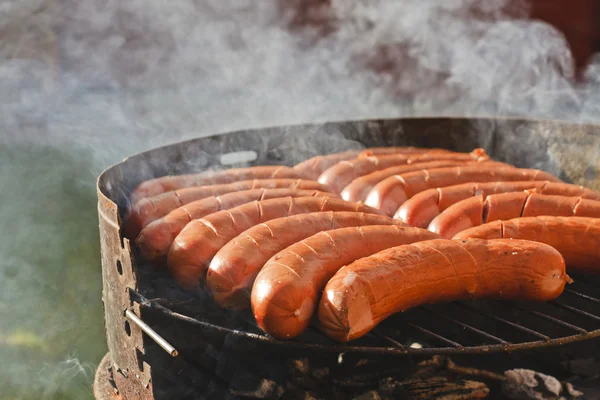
x=468, y=327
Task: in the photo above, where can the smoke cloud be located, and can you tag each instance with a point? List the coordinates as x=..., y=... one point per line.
x=85, y=83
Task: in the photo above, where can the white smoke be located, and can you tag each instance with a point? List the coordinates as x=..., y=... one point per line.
x=112, y=78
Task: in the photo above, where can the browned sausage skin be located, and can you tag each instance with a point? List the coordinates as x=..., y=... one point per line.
x=576, y=238
x=341, y=174
x=359, y=188
x=389, y=194
x=287, y=289
x=167, y=183
x=233, y=269
x=480, y=209
x=152, y=208
x=195, y=246
x=364, y=293
x=154, y=240
x=313, y=167
x=423, y=207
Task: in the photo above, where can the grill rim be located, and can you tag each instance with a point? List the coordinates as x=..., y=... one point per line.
x=128, y=353
x=151, y=306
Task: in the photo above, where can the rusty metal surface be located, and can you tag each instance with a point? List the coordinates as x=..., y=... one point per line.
x=124, y=340
x=104, y=385
x=570, y=151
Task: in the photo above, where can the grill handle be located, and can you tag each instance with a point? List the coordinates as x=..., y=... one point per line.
x=130, y=315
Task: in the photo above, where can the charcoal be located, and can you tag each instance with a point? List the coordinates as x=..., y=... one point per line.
x=531, y=385
x=370, y=395
x=585, y=367
x=266, y=389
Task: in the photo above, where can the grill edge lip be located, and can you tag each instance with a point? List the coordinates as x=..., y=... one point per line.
x=369, y=350
x=111, y=202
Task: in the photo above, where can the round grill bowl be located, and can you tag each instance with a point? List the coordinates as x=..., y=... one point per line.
x=195, y=327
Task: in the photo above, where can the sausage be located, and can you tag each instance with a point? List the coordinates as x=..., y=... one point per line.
x=389, y=194
x=358, y=189
x=480, y=209
x=344, y=172
x=154, y=240
x=576, y=238
x=364, y=293
x=423, y=207
x=313, y=167
x=197, y=243
x=233, y=269
x=287, y=289
x=167, y=183
x=152, y=208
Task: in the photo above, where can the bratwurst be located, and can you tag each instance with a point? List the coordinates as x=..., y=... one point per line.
x=154, y=240
x=152, y=208
x=480, y=209
x=287, y=289
x=167, y=183
x=389, y=194
x=197, y=243
x=423, y=207
x=233, y=269
x=576, y=238
x=313, y=167
x=359, y=188
x=341, y=174
x=364, y=293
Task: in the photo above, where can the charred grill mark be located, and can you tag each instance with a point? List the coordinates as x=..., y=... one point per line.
x=524, y=205
x=219, y=203
x=189, y=216
x=259, y=210
x=176, y=194
x=574, y=210
x=485, y=210
x=263, y=192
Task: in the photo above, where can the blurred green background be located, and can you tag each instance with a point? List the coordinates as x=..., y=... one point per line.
x=51, y=317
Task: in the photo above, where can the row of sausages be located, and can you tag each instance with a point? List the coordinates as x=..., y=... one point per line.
x=351, y=238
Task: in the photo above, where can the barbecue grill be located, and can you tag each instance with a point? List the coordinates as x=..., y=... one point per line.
x=167, y=343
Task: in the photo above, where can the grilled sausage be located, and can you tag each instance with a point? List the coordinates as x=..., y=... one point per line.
x=389, y=194
x=154, y=240
x=233, y=269
x=423, y=207
x=152, y=208
x=576, y=238
x=364, y=293
x=287, y=289
x=480, y=209
x=197, y=243
x=344, y=172
x=359, y=188
x=313, y=167
x=167, y=183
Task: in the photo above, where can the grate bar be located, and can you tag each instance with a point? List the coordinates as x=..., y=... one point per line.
x=507, y=322
x=469, y=327
x=582, y=295
x=389, y=339
x=435, y=335
x=554, y=320
x=576, y=310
